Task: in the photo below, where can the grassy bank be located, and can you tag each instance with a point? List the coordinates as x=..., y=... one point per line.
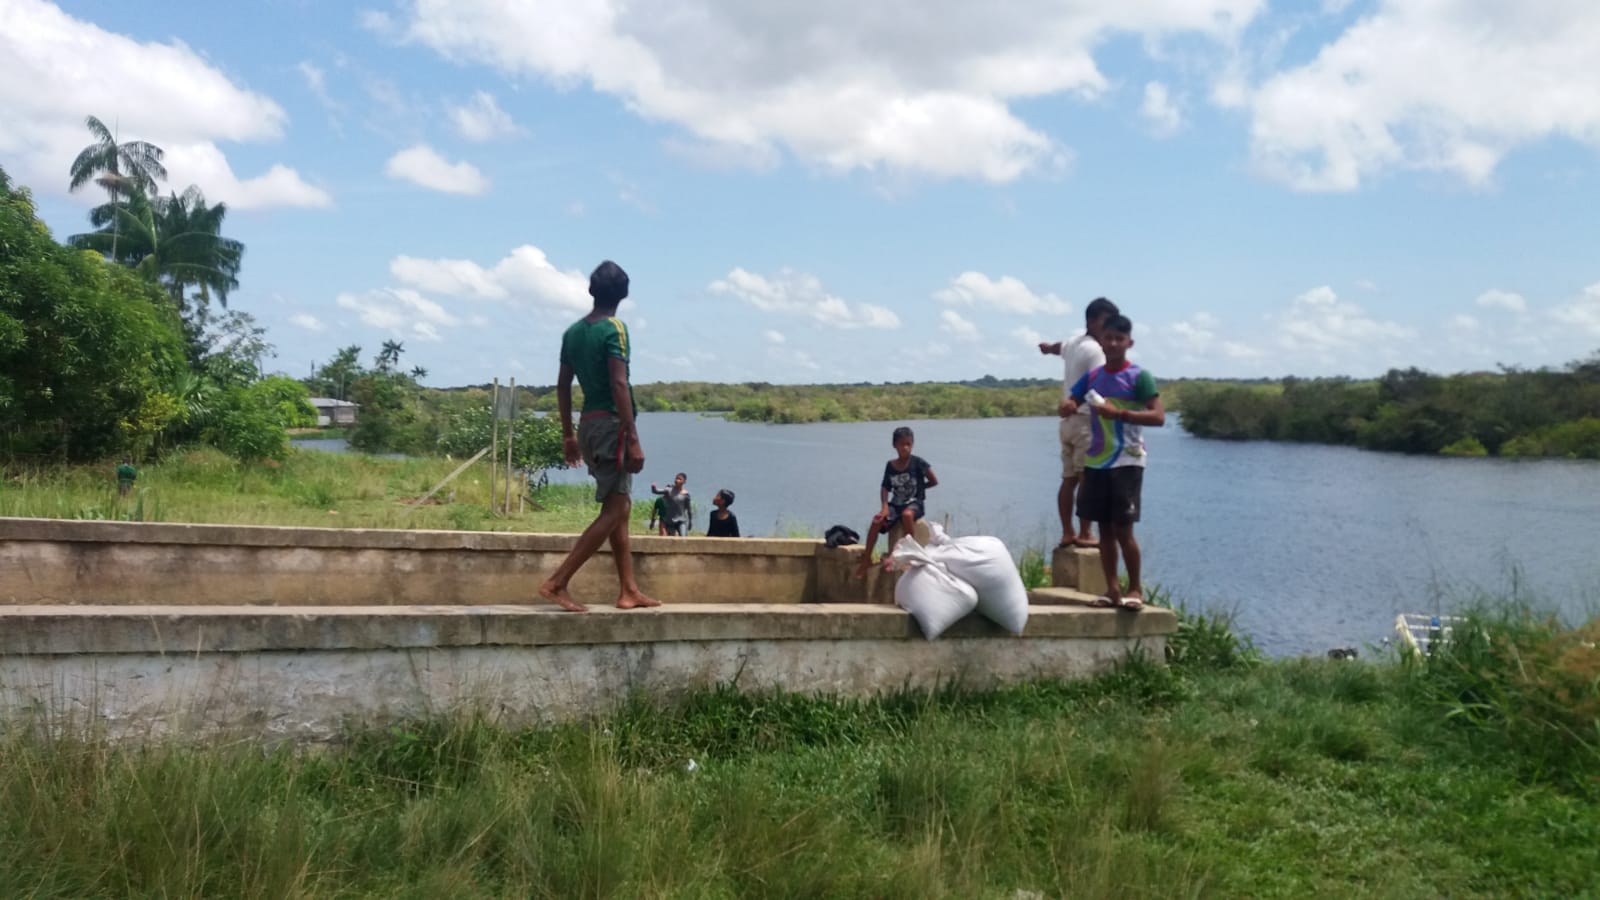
x=309, y=488
x=1217, y=777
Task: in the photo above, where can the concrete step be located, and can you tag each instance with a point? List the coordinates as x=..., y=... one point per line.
x=1077, y=568
x=1059, y=596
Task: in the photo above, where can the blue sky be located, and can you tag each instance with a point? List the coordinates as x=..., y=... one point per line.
x=831, y=191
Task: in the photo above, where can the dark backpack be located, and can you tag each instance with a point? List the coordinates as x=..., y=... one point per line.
x=840, y=536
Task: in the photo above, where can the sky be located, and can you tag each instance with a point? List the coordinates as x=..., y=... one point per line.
x=827, y=191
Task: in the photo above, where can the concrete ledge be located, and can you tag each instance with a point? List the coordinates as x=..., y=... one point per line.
x=50, y=561
x=309, y=674
x=182, y=534
x=179, y=630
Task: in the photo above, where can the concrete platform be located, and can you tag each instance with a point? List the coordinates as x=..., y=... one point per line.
x=306, y=673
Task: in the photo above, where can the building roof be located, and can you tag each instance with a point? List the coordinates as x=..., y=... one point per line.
x=328, y=401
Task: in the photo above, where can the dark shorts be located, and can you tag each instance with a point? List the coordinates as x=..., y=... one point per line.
x=895, y=512
x=1111, y=495
x=599, y=439
x=674, y=529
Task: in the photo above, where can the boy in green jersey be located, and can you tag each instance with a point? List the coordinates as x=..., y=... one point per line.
x=595, y=349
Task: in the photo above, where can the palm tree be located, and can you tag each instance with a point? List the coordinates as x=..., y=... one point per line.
x=389, y=355
x=418, y=373
x=119, y=168
x=176, y=241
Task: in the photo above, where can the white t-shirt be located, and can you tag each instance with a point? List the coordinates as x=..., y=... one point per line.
x=1080, y=354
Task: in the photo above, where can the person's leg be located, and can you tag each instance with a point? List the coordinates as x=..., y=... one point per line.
x=629, y=596
x=1078, y=447
x=1065, y=496
x=871, y=544
x=613, y=515
x=1110, y=540
x=1085, y=536
x=1130, y=553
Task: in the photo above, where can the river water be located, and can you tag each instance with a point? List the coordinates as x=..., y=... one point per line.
x=1311, y=546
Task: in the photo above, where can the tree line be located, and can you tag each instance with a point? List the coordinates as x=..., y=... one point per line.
x=109, y=344
x=1512, y=412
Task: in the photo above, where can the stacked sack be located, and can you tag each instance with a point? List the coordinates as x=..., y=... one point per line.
x=951, y=577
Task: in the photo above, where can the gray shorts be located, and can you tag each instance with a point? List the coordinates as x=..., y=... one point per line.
x=600, y=441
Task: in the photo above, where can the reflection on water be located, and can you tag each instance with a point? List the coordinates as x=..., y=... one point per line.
x=1313, y=546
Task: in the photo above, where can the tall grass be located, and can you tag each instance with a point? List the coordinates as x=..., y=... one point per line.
x=1211, y=778
x=310, y=488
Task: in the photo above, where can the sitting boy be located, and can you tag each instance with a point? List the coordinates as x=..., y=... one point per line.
x=906, y=480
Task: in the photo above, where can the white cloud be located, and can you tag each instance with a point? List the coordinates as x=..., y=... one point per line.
x=1159, y=110
x=1583, y=311
x=1195, y=338
x=525, y=277
x=798, y=293
x=482, y=119
x=1319, y=323
x=952, y=322
x=1498, y=299
x=306, y=321
x=774, y=337
x=840, y=86
x=55, y=69
x=399, y=311
x=1427, y=85
x=421, y=165
x=1006, y=294
x=1464, y=324
x=204, y=164
x=1027, y=336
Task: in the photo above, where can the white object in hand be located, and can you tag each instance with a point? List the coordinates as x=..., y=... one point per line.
x=1094, y=398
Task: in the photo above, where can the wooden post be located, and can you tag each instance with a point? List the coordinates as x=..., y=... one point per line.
x=511, y=439
x=494, y=443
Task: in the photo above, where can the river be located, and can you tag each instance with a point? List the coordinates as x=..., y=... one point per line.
x=1311, y=546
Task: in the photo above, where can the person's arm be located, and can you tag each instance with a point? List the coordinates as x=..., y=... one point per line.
x=688, y=506
x=1154, y=413
x=569, y=440
x=931, y=480
x=733, y=525
x=1069, y=405
x=633, y=451
x=1049, y=349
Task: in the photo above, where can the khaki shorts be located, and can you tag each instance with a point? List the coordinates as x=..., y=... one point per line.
x=1074, y=445
x=599, y=439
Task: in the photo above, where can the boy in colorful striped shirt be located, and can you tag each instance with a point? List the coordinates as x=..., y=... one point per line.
x=1124, y=400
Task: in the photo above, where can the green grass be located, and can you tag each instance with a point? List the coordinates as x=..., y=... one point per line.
x=310, y=488
x=1218, y=776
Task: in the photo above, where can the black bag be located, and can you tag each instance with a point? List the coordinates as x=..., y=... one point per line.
x=840, y=536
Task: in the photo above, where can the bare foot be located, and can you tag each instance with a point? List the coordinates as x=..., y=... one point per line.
x=1087, y=541
x=559, y=596
x=636, y=599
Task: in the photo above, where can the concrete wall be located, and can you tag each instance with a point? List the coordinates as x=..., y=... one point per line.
x=44, y=561
x=306, y=673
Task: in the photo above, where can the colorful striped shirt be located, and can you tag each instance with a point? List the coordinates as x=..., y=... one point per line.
x=1112, y=442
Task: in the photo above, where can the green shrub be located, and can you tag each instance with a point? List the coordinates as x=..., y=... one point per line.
x=1467, y=446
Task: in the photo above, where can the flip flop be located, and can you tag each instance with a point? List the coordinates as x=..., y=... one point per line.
x=1086, y=545
x=1132, y=603
x=1103, y=602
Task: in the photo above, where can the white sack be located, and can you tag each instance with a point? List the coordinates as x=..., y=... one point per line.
x=985, y=563
x=927, y=590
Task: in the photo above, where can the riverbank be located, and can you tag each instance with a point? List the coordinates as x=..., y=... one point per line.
x=309, y=488
x=1217, y=776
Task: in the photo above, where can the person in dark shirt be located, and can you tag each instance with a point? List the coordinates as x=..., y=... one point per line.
x=906, y=480
x=723, y=521
x=126, y=476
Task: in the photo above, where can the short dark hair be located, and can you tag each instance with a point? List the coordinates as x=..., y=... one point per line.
x=608, y=284
x=1098, y=308
x=727, y=496
x=901, y=432
x=1119, y=323
x=684, y=475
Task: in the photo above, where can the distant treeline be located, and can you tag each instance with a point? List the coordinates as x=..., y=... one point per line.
x=756, y=401
x=1547, y=412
